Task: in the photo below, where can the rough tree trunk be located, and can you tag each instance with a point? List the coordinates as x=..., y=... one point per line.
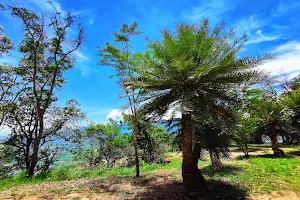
x=246, y=151
x=36, y=147
x=137, y=162
x=192, y=177
x=215, y=161
x=275, y=147
x=196, y=152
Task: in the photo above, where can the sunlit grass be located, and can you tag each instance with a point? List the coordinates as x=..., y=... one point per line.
x=262, y=174
x=258, y=174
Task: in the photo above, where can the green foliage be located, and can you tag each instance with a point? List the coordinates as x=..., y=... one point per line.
x=126, y=63
x=104, y=142
x=60, y=174
x=153, y=140
x=27, y=102
x=292, y=101
x=5, y=43
x=244, y=131
x=212, y=139
x=194, y=65
x=264, y=105
x=5, y=160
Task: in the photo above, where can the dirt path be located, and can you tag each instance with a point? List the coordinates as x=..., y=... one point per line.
x=283, y=195
x=158, y=185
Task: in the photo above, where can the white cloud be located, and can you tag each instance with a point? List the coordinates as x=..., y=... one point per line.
x=288, y=47
x=287, y=61
x=212, y=8
x=172, y=112
x=116, y=114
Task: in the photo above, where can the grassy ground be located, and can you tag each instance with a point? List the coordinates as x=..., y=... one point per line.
x=260, y=173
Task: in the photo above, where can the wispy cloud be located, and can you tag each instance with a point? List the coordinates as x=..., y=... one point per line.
x=259, y=37
x=96, y=110
x=284, y=7
x=80, y=57
x=212, y=8
x=86, y=69
x=91, y=21
x=250, y=24
x=254, y=26
x=45, y=5
x=83, y=64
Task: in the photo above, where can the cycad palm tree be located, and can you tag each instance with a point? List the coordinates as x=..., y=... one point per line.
x=195, y=65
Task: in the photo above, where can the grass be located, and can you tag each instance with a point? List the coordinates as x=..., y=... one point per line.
x=262, y=173
x=257, y=174
x=71, y=173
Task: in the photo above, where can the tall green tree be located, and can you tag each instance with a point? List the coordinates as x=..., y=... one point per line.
x=45, y=58
x=194, y=64
x=125, y=62
x=266, y=112
x=292, y=98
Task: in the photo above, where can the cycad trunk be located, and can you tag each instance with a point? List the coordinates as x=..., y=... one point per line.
x=275, y=147
x=192, y=177
x=215, y=161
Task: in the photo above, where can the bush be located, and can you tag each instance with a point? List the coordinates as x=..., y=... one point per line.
x=21, y=176
x=6, y=167
x=61, y=174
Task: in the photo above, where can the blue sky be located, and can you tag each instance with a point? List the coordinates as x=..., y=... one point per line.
x=273, y=26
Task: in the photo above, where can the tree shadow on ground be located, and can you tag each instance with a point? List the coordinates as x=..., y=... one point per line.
x=250, y=149
x=294, y=153
x=174, y=190
x=242, y=157
x=227, y=169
